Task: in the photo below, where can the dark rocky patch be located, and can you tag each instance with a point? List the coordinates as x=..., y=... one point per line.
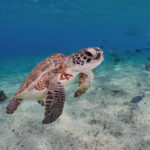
x=94, y=122
x=134, y=65
x=2, y=96
x=116, y=132
x=126, y=117
x=147, y=66
x=118, y=92
x=138, y=84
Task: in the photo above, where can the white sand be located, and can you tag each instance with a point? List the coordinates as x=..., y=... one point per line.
x=102, y=119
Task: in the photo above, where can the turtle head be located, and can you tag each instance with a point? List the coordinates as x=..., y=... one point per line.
x=87, y=58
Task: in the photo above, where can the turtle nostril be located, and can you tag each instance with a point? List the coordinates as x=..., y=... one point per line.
x=88, y=53
x=97, y=49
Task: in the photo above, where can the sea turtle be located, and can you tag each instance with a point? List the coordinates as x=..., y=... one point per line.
x=46, y=81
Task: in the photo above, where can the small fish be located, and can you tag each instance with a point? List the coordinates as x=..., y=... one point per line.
x=111, y=53
x=116, y=60
x=96, y=41
x=137, y=99
x=103, y=40
x=146, y=48
x=132, y=33
x=138, y=50
x=2, y=96
x=148, y=58
x=147, y=66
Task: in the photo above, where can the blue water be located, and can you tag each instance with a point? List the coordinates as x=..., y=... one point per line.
x=35, y=26
x=32, y=30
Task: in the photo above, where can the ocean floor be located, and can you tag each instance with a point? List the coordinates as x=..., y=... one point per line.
x=105, y=118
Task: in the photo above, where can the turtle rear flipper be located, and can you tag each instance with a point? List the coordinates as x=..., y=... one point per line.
x=13, y=105
x=85, y=81
x=54, y=102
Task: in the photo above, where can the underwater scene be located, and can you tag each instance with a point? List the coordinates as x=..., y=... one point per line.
x=92, y=89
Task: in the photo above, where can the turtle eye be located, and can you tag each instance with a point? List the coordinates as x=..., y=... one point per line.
x=98, y=56
x=88, y=53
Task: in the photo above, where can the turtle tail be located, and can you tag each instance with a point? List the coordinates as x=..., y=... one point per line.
x=13, y=105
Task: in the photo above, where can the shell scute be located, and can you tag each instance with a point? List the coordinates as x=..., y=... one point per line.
x=48, y=64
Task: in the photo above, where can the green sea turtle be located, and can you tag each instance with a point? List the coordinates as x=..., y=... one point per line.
x=46, y=81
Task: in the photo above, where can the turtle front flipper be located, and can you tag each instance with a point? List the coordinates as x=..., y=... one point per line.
x=85, y=81
x=13, y=105
x=54, y=102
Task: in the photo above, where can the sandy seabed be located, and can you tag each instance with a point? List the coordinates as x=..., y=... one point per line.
x=102, y=119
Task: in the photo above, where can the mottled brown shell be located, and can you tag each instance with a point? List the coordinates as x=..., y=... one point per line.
x=50, y=64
